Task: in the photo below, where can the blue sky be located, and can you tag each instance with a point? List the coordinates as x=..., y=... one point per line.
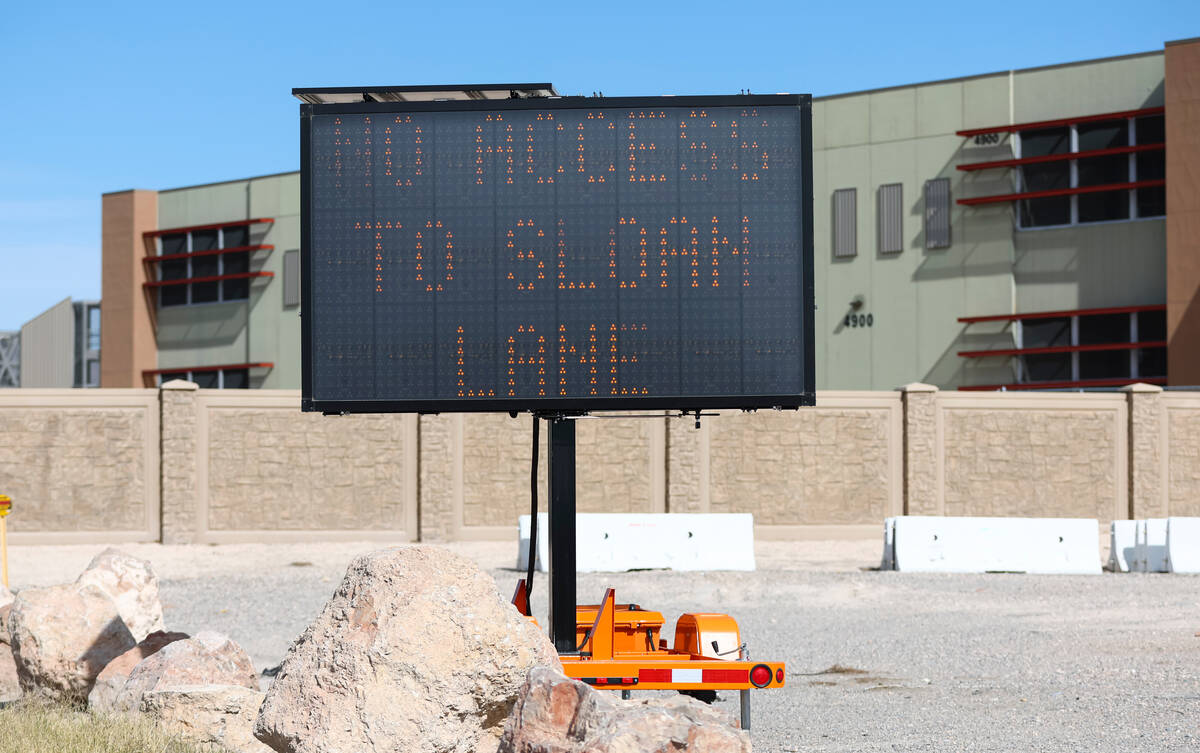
x=102, y=97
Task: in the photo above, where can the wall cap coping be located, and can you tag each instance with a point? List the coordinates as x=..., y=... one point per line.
x=179, y=384
x=1142, y=387
x=918, y=387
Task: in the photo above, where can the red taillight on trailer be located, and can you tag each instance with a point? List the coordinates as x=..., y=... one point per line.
x=779, y=675
x=760, y=676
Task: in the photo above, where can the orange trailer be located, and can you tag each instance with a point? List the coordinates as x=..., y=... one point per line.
x=620, y=648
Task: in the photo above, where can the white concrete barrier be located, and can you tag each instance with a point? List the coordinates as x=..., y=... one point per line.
x=614, y=542
x=1151, y=548
x=980, y=545
x=1122, y=545
x=1183, y=545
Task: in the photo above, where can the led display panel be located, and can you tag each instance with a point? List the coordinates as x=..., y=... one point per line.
x=557, y=254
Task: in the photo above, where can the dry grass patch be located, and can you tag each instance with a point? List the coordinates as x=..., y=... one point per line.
x=30, y=727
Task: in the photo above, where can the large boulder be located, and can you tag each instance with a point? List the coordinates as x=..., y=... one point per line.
x=416, y=651
x=6, y=602
x=558, y=715
x=207, y=659
x=132, y=584
x=10, y=686
x=62, y=637
x=111, y=680
x=221, y=715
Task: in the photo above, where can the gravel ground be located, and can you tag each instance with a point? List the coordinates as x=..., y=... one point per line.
x=878, y=661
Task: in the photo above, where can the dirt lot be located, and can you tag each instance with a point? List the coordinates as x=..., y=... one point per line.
x=878, y=661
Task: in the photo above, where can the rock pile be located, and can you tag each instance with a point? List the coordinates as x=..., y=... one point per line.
x=100, y=640
x=415, y=651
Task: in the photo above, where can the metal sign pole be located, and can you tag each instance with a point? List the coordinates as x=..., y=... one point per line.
x=561, y=480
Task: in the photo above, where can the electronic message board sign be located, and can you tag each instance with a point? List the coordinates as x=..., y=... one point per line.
x=557, y=254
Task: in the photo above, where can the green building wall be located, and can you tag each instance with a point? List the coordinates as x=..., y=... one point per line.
x=908, y=135
x=217, y=333
x=863, y=140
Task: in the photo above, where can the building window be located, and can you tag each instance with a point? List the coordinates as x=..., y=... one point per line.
x=1099, y=169
x=291, y=278
x=890, y=218
x=214, y=253
x=1093, y=347
x=937, y=213
x=10, y=359
x=845, y=222
x=211, y=379
x=87, y=344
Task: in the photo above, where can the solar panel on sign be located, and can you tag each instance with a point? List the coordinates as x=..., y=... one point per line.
x=565, y=254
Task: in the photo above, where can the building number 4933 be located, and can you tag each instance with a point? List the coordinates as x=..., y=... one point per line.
x=859, y=320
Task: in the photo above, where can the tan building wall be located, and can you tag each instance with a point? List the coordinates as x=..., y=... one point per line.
x=238, y=466
x=1183, y=212
x=127, y=341
x=80, y=465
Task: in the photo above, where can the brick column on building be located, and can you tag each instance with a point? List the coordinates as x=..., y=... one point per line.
x=921, y=493
x=127, y=341
x=180, y=457
x=438, y=456
x=1147, y=453
x=1181, y=84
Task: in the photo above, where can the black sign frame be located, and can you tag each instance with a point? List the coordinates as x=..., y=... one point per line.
x=564, y=405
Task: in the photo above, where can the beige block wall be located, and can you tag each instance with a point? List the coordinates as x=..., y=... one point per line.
x=1045, y=455
x=80, y=465
x=249, y=466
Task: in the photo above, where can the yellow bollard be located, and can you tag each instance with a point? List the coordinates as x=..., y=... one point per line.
x=5, y=509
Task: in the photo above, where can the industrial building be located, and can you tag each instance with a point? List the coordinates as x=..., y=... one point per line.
x=59, y=347
x=1024, y=229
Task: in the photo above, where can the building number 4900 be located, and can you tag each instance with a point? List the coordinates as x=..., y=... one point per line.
x=859, y=320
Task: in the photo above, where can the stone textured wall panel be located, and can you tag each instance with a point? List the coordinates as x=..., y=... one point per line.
x=80, y=461
x=837, y=463
x=1183, y=461
x=1053, y=456
x=613, y=466
x=269, y=467
x=825, y=465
